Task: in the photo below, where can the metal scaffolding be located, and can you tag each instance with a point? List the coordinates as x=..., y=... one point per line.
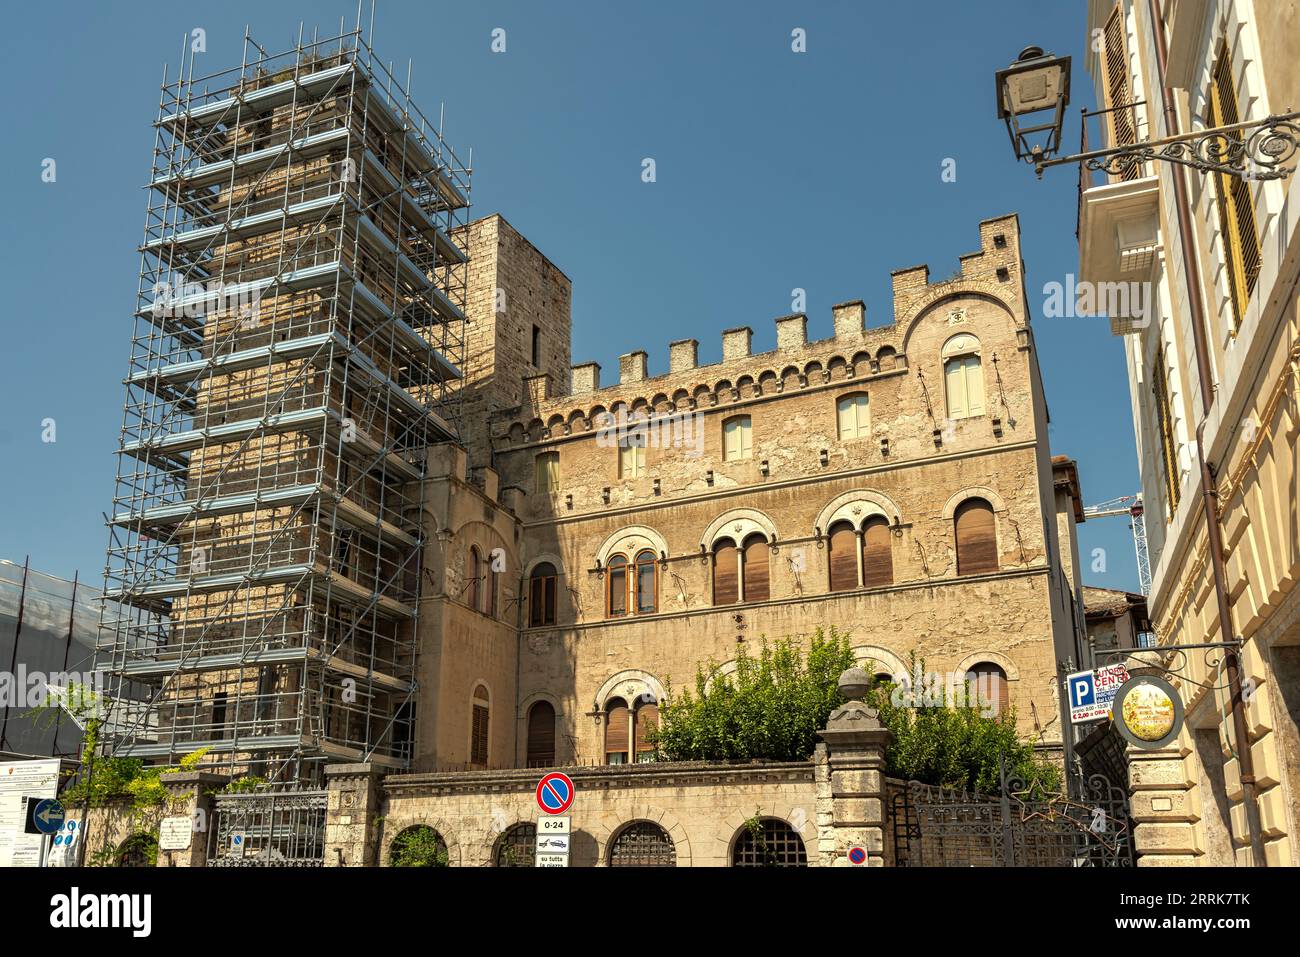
x=296, y=350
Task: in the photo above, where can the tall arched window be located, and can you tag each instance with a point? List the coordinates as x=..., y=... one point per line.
x=977, y=544
x=475, y=596
x=617, y=587
x=541, y=595
x=843, y=557
x=851, y=415
x=755, y=573
x=963, y=377
x=642, y=844
x=737, y=439
x=647, y=590
x=986, y=684
x=478, y=735
x=877, y=553
x=768, y=842
x=617, y=731
x=541, y=735
x=726, y=580
x=644, y=720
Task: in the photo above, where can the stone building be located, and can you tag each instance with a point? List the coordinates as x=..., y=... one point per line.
x=597, y=543
x=1213, y=369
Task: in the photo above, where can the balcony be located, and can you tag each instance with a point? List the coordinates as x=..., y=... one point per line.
x=1118, y=225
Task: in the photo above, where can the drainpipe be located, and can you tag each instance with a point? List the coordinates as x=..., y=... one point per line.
x=1209, y=490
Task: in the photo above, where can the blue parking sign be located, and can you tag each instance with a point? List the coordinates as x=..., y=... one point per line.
x=1083, y=689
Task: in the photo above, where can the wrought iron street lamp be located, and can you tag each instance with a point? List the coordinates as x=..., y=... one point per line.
x=1034, y=91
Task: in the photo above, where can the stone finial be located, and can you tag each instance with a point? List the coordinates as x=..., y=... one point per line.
x=736, y=343
x=849, y=317
x=854, y=684
x=632, y=367
x=585, y=378
x=683, y=354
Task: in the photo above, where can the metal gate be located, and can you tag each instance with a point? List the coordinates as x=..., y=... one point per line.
x=1020, y=827
x=268, y=829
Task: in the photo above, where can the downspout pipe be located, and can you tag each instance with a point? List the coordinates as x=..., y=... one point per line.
x=1209, y=490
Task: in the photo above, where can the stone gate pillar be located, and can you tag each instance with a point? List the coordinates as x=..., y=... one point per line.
x=189, y=794
x=352, y=815
x=851, y=812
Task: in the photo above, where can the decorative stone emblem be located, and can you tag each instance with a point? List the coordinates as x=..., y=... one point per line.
x=957, y=317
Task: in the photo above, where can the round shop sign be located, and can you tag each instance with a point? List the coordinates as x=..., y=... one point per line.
x=1148, y=711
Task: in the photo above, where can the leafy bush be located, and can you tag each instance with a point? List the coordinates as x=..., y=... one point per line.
x=419, y=846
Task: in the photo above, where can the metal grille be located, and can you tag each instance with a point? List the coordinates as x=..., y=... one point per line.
x=139, y=850
x=643, y=845
x=769, y=843
x=517, y=847
x=268, y=829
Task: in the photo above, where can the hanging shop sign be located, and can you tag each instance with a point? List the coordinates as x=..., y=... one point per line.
x=1148, y=712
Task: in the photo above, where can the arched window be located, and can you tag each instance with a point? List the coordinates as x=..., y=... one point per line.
x=877, y=553
x=475, y=596
x=986, y=686
x=642, y=844
x=647, y=590
x=963, y=377
x=755, y=573
x=616, y=604
x=541, y=595
x=851, y=413
x=541, y=735
x=517, y=847
x=977, y=544
x=138, y=850
x=768, y=842
x=843, y=547
x=726, y=581
x=418, y=846
x=737, y=440
x=478, y=746
x=644, y=720
x=546, y=477
x=617, y=731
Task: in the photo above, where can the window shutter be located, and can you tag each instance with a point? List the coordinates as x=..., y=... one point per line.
x=1118, y=99
x=1236, y=208
x=746, y=436
x=617, y=586
x=647, y=718
x=1165, y=426
x=988, y=683
x=974, y=385
x=541, y=735
x=852, y=415
x=877, y=553
x=646, y=592
x=479, y=737
x=954, y=379
x=475, y=580
x=757, y=570
x=616, y=732
x=725, y=583
x=844, y=557
x=977, y=551
x=731, y=440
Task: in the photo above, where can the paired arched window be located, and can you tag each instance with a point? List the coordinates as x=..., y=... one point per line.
x=768, y=842
x=642, y=844
x=861, y=557
x=742, y=573
x=632, y=586
x=541, y=595
x=737, y=438
x=986, y=685
x=963, y=377
x=541, y=735
x=976, y=536
x=479, y=723
x=852, y=418
x=627, y=730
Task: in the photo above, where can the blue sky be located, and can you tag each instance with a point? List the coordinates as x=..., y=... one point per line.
x=775, y=170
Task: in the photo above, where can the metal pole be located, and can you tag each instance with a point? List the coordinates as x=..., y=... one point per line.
x=1209, y=491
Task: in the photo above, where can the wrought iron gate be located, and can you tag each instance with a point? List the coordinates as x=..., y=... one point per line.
x=1020, y=827
x=268, y=829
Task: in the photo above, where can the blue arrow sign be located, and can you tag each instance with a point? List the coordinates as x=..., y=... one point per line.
x=48, y=816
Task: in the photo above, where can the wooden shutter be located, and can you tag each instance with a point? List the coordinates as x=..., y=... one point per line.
x=646, y=593
x=877, y=553
x=541, y=735
x=977, y=550
x=725, y=581
x=647, y=718
x=757, y=573
x=616, y=730
x=1165, y=426
x=954, y=384
x=617, y=586
x=974, y=371
x=1116, y=88
x=987, y=683
x=475, y=582
x=844, y=557
x=479, y=736
x=1236, y=208
x=853, y=420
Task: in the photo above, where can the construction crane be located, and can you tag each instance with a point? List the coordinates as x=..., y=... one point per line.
x=1130, y=505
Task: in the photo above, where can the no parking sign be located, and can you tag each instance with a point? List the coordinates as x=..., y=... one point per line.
x=555, y=793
